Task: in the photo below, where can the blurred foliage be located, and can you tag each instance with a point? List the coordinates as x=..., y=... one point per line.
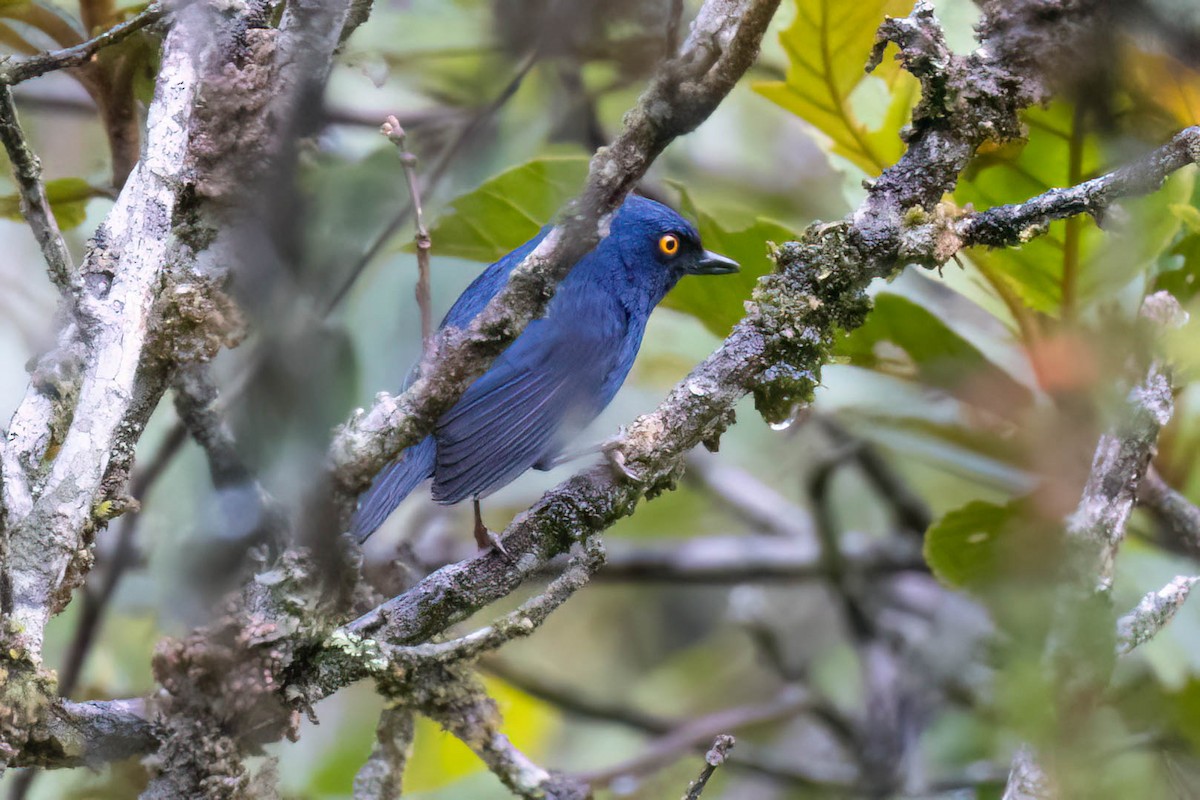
x=985, y=387
x=68, y=199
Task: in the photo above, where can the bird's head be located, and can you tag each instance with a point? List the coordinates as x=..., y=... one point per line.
x=655, y=239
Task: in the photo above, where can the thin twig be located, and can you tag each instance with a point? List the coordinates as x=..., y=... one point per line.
x=1178, y=517
x=382, y=777
x=15, y=71
x=737, y=559
x=714, y=758
x=27, y=170
x=433, y=178
x=790, y=702
x=519, y=623
x=578, y=702
x=396, y=134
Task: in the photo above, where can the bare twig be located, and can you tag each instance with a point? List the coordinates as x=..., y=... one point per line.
x=392, y=130
x=789, y=703
x=577, y=701
x=434, y=176
x=382, y=777
x=737, y=559
x=1178, y=516
x=27, y=170
x=749, y=498
x=714, y=758
x=15, y=71
x=910, y=508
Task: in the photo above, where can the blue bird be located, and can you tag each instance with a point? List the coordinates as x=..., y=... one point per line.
x=558, y=375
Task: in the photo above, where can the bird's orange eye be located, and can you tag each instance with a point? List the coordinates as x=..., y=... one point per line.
x=669, y=244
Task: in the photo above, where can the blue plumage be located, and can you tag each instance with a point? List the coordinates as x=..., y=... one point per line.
x=559, y=374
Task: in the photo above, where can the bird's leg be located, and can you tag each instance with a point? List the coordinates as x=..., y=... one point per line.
x=485, y=537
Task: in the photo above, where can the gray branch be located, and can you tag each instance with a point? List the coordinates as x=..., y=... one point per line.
x=27, y=169
x=14, y=71
x=382, y=777
x=1152, y=614
x=1094, y=532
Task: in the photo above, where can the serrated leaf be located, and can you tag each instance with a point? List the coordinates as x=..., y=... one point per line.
x=718, y=302
x=827, y=47
x=506, y=211
x=905, y=339
x=68, y=201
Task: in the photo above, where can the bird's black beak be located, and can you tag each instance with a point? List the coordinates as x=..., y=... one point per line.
x=710, y=263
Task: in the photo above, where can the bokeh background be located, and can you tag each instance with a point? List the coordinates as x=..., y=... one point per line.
x=971, y=400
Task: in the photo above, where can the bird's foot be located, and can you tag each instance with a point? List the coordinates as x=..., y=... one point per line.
x=486, y=538
x=616, y=459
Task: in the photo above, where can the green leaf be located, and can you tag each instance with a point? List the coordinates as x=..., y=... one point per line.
x=905, y=339
x=718, y=302
x=982, y=546
x=68, y=201
x=508, y=210
x=828, y=45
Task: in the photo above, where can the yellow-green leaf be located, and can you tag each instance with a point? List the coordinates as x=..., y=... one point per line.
x=68, y=201
x=828, y=46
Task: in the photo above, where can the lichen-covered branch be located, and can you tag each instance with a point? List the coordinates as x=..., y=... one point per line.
x=1122, y=456
x=1010, y=225
x=88, y=734
x=1093, y=534
x=1153, y=613
x=27, y=170
x=517, y=624
x=90, y=397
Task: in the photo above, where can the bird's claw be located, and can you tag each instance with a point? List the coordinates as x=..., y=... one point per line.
x=493, y=539
x=487, y=538
x=616, y=459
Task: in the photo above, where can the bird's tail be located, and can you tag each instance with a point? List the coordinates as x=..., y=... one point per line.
x=391, y=486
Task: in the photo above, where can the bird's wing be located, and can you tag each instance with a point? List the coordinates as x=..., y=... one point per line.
x=551, y=377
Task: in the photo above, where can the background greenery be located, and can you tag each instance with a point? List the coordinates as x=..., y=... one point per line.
x=985, y=387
